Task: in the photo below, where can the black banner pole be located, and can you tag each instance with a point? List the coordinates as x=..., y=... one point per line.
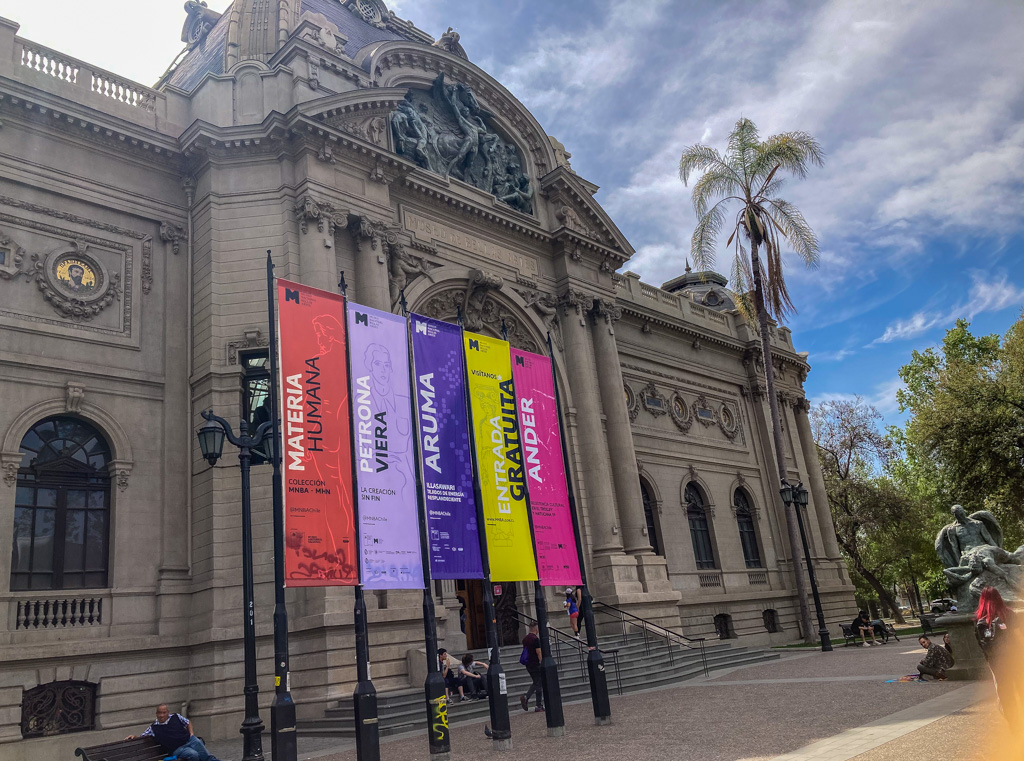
x=433, y=686
x=553, y=714
x=283, y=740
x=595, y=661
x=500, y=730
x=364, y=698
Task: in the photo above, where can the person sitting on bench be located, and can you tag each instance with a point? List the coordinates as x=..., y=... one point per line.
x=862, y=623
x=174, y=733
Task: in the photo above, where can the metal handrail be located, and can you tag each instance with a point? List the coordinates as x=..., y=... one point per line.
x=670, y=637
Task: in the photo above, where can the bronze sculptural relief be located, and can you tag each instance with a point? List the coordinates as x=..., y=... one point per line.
x=448, y=132
x=971, y=549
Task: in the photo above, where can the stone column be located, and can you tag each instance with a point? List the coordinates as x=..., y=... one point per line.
x=317, y=262
x=372, y=238
x=819, y=498
x=625, y=475
x=613, y=573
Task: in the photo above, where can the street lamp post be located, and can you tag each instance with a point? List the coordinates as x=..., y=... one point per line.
x=798, y=495
x=211, y=444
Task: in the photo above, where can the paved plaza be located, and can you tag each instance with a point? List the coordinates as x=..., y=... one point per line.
x=806, y=707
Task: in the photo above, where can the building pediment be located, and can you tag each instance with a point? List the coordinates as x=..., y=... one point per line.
x=572, y=202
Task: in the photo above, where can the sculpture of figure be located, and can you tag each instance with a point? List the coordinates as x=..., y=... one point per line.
x=410, y=133
x=480, y=283
x=967, y=532
x=403, y=267
x=971, y=550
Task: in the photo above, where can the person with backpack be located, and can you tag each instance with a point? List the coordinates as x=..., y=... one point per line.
x=1001, y=643
x=531, y=658
x=572, y=607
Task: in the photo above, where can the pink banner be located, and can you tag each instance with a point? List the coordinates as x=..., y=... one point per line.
x=557, y=560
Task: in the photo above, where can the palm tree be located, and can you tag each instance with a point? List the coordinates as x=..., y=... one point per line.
x=749, y=176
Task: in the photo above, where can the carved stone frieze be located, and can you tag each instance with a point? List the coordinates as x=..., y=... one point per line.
x=147, y=265
x=572, y=220
x=10, y=473
x=802, y=404
x=326, y=153
x=11, y=257
x=446, y=131
x=173, y=234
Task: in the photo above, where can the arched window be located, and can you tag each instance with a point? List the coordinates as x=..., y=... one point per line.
x=700, y=532
x=770, y=617
x=62, y=507
x=652, y=523
x=723, y=626
x=748, y=532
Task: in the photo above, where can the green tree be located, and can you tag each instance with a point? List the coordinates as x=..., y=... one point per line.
x=749, y=177
x=882, y=525
x=966, y=426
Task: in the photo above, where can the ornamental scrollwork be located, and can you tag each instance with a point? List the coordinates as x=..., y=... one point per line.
x=632, y=403
x=728, y=421
x=653, y=400
x=703, y=411
x=174, y=235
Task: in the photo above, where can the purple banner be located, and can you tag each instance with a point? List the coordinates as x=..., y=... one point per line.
x=447, y=459
x=389, y=527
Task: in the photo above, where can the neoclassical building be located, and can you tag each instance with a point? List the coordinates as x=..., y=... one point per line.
x=134, y=226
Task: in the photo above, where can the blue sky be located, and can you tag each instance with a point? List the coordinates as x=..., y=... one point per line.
x=918, y=105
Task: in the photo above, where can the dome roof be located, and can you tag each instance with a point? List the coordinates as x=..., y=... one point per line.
x=706, y=288
x=362, y=22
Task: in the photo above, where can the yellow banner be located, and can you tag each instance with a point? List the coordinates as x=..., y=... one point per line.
x=499, y=459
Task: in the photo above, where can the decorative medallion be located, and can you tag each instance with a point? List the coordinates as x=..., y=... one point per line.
x=632, y=403
x=74, y=283
x=680, y=411
x=653, y=400
x=728, y=422
x=703, y=412
x=11, y=256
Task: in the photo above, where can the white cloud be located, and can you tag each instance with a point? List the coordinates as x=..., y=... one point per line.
x=985, y=295
x=882, y=398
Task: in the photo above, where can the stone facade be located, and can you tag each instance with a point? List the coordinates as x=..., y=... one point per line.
x=286, y=138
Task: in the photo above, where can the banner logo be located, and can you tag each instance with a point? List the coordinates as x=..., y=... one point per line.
x=362, y=319
x=290, y=295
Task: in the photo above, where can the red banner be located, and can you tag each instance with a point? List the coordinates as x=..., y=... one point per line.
x=316, y=446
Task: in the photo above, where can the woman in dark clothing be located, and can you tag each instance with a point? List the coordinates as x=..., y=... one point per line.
x=1001, y=642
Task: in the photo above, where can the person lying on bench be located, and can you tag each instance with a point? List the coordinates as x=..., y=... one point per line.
x=174, y=733
x=936, y=660
x=862, y=623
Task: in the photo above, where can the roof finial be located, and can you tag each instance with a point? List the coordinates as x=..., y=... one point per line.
x=687, y=264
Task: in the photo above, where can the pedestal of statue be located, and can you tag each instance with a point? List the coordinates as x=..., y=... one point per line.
x=969, y=661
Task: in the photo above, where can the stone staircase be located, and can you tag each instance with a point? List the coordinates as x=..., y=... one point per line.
x=403, y=711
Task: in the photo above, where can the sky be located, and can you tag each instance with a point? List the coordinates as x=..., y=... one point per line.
x=919, y=107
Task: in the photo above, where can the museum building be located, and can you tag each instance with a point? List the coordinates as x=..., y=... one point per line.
x=134, y=226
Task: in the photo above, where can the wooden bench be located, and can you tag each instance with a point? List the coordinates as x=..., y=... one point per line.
x=139, y=749
x=882, y=629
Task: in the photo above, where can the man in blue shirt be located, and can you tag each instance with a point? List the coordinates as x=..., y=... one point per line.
x=174, y=733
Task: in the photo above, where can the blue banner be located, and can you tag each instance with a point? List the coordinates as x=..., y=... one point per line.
x=446, y=458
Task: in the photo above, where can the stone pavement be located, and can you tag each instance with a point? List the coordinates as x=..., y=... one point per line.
x=807, y=706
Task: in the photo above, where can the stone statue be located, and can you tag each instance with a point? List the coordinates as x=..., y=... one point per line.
x=965, y=533
x=402, y=268
x=450, y=41
x=971, y=550
x=445, y=130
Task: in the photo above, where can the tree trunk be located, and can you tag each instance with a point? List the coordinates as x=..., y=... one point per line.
x=792, y=531
x=888, y=601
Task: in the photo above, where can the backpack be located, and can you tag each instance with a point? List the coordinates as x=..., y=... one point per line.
x=525, y=657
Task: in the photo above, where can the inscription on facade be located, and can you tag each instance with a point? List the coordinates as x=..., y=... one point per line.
x=427, y=230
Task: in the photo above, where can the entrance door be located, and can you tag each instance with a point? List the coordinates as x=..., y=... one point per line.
x=472, y=591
